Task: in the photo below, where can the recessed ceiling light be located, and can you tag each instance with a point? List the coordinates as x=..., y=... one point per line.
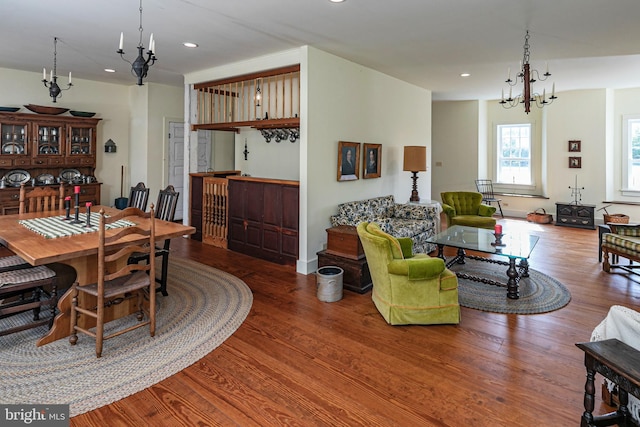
x=336, y=1
x=110, y=70
x=190, y=44
x=465, y=75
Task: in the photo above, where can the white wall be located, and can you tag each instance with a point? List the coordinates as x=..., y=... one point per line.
x=348, y=102
x=339, y=101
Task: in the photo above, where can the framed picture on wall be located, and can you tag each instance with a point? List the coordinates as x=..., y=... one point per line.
x=574, y=146
x=575, y=162
x=371, y=161
x=348, y=161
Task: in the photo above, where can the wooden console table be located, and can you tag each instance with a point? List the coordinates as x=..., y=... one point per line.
x=618, y=362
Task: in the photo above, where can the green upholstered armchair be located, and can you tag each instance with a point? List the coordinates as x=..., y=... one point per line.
x=466, y=208
x=408, y=289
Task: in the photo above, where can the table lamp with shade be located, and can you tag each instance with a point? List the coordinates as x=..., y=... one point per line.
x=415, y=160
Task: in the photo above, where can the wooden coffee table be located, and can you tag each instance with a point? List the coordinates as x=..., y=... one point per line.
x=515, y=246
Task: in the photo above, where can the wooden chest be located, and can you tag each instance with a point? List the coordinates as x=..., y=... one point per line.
x=356, y=277
x=343, y=241
x=579, y=216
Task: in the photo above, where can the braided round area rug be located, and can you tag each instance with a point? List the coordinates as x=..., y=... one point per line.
x=204, y=307
x=539, y=293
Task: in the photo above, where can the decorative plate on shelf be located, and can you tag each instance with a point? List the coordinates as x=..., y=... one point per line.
x=45, y=179
x=81, y=113
x=43, y=109
x=68, y=175
x=16, y=177
x=12, y=148
x=48, y=149
x=9, y=109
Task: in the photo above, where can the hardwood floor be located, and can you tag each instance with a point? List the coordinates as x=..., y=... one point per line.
x=299, y=361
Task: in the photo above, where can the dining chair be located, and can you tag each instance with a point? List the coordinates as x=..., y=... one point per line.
x=165, y=211
x=41, y=199
x=138, y=197
x=23, y=287
x=117, y=279
x=485, y=187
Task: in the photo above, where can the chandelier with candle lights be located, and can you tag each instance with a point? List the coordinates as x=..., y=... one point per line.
x=140, y=67
x=54, y=90
x=527, y=77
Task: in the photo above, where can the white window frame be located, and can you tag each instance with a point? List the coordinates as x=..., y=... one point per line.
x=535, y=162
x=626, y=158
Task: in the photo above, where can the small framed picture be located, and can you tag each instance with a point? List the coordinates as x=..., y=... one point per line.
x=348, y=161
x=574, y=146
x=575, y=162
x=371, y=160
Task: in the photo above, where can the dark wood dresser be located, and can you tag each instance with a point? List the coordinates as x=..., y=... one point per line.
x=572, y=215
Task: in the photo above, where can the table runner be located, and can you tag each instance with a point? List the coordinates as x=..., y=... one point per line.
x=54, y=226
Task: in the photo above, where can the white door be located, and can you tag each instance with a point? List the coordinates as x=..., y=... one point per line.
x=176, y=160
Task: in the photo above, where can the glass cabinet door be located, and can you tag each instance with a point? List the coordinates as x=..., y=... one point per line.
x=81, y=141
x=14, y=138
x=48, y=140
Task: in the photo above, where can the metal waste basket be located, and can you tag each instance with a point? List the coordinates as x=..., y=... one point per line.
x=329, y=281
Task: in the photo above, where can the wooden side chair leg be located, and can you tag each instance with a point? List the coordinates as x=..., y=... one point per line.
x=73, y=338
x=37, y=294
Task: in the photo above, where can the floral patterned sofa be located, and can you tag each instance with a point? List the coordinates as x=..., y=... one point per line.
x=418, y=222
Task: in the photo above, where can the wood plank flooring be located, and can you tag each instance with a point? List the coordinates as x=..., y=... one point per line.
x=301, y=362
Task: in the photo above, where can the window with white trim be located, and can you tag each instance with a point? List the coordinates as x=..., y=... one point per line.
x=513, y=149
x=631, y=155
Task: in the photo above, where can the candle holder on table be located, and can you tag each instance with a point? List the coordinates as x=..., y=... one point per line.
x=67, y=208
x=88, y=205
x=77, y=206
x=498, y=241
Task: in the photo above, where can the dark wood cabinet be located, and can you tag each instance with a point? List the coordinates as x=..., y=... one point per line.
x=572, y=215
x=44, y=146
x=264, y=218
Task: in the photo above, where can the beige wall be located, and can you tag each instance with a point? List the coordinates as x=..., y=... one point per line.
x=128, y=113
x=109, y=101
x=591, y=116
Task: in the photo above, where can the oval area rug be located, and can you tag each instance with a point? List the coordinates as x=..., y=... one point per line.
x=539, y=293
x=204, y=307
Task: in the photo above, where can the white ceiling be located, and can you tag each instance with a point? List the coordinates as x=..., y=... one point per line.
x=587, y=43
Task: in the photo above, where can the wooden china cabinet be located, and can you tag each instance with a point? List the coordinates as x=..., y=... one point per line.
x=44, y=149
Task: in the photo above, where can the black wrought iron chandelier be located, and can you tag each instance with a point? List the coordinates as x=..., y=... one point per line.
x=140, y=67
x=527, y=77
x=54, y=90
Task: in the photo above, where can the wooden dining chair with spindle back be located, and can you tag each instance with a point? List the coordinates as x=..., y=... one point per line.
x=165, y=211
x=139, y=196
x=41, y=199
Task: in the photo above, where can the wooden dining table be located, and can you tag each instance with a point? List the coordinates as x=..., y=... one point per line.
x=78, y=251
